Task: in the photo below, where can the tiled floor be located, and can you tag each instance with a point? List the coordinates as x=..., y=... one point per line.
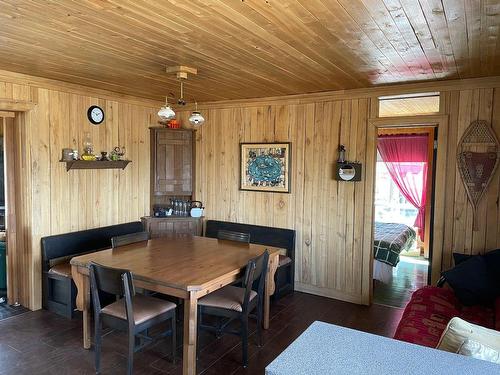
x=43, y=343
x=8, y=311
x=408, y=276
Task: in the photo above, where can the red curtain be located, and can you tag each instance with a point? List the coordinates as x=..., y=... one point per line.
x=406, y=159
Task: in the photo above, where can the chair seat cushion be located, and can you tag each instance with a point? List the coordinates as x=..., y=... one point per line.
x=284, y=260
x=145, y=308
x=229, y=298
x=62, y=269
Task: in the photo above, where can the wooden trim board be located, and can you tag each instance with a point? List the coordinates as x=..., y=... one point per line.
x=441, y=124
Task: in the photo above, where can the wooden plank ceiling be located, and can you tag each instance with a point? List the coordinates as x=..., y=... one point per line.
x=249, y=48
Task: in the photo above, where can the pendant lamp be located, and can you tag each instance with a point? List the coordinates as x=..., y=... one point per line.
x=166, y=113
x=196, y=118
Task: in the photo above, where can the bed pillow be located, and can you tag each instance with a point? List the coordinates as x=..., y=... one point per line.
x=474, y=349
x=458, y=331
x=471, y=283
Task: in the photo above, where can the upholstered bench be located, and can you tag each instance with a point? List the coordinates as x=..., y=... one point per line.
x=261, y=235
x=58, y=288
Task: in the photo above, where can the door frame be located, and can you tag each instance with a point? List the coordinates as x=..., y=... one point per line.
x=440, y=123
x=12, y=114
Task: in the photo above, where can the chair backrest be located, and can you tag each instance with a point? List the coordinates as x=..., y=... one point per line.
x=109, y=280
x=255, y=277
x=233, y=236
x=128, y=239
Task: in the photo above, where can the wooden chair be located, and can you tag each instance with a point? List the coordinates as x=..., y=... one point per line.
x=277, y=237
x=130, y=313
x=233, y=236
x=232, y=303
x=128, y=239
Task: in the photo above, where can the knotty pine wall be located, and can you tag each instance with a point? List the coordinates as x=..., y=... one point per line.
x=328, y=216
x=58, y=201
x=463, y=107
x=332, y=220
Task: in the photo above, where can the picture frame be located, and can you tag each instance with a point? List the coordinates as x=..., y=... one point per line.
x=265, y=167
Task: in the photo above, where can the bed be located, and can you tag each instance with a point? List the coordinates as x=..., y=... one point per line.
x=390, y=239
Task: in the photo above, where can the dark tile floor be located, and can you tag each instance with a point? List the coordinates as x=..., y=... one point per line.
x=7, y=311
x=43, y=343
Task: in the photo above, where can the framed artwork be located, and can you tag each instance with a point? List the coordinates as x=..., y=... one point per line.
x=265, y=167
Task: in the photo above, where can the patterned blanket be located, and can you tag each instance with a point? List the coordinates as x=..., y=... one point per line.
x=390, y=239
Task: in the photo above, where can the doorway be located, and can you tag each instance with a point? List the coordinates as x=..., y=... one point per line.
x=404, y=181
x=3, y=242
x=9, y=250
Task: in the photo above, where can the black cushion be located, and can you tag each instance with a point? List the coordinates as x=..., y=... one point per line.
x=261, y=235
x=472, y=282
x=62, y=245
x=492, y=259
x=459, y=258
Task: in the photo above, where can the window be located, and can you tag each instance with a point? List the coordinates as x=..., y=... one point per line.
x=412, y=105
x=390, y=205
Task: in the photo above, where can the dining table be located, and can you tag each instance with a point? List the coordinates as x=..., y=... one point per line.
x=184, y=266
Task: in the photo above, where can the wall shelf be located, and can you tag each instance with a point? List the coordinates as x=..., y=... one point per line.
x=96, y=164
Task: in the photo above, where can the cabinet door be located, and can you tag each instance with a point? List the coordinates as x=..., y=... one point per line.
x=174, y=163
x=159, y=228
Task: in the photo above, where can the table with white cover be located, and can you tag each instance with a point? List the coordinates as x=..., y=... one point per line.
x=329, y=349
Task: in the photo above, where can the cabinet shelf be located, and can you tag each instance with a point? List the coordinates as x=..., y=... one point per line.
x=96, y=164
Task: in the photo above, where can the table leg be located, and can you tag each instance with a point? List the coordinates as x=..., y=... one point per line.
x=83, y=302
x=270, y=287
x=190, y=334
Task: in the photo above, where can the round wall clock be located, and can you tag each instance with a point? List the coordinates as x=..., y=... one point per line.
x=95, y=114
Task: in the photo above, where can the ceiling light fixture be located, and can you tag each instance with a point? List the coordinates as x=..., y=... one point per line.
x=166, y=113
x=196, y=118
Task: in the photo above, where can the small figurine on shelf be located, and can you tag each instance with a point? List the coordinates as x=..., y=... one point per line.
x=342, y=152
x=117, y=153
x=104, y=156
x=173, y=124
x=88, y=148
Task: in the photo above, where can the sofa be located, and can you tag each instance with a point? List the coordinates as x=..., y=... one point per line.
x=431, y=308
x=58, y=288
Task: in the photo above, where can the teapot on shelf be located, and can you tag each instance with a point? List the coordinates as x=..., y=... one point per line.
x=196, y=209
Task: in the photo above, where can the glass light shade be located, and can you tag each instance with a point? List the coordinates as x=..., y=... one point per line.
x=166, y=113
x=196, y=119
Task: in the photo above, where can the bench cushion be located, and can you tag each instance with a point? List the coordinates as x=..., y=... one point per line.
x=61, y=269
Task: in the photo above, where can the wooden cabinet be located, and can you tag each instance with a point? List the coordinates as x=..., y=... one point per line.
x=171, y=162
x=161, y=226
x=172, y=174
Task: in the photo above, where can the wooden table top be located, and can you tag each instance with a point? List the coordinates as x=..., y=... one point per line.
x=179, y=261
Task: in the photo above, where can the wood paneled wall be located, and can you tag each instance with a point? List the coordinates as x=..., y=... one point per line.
x=328, y=216
x=333, y=220
x=463, y=107
x=58, y=201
